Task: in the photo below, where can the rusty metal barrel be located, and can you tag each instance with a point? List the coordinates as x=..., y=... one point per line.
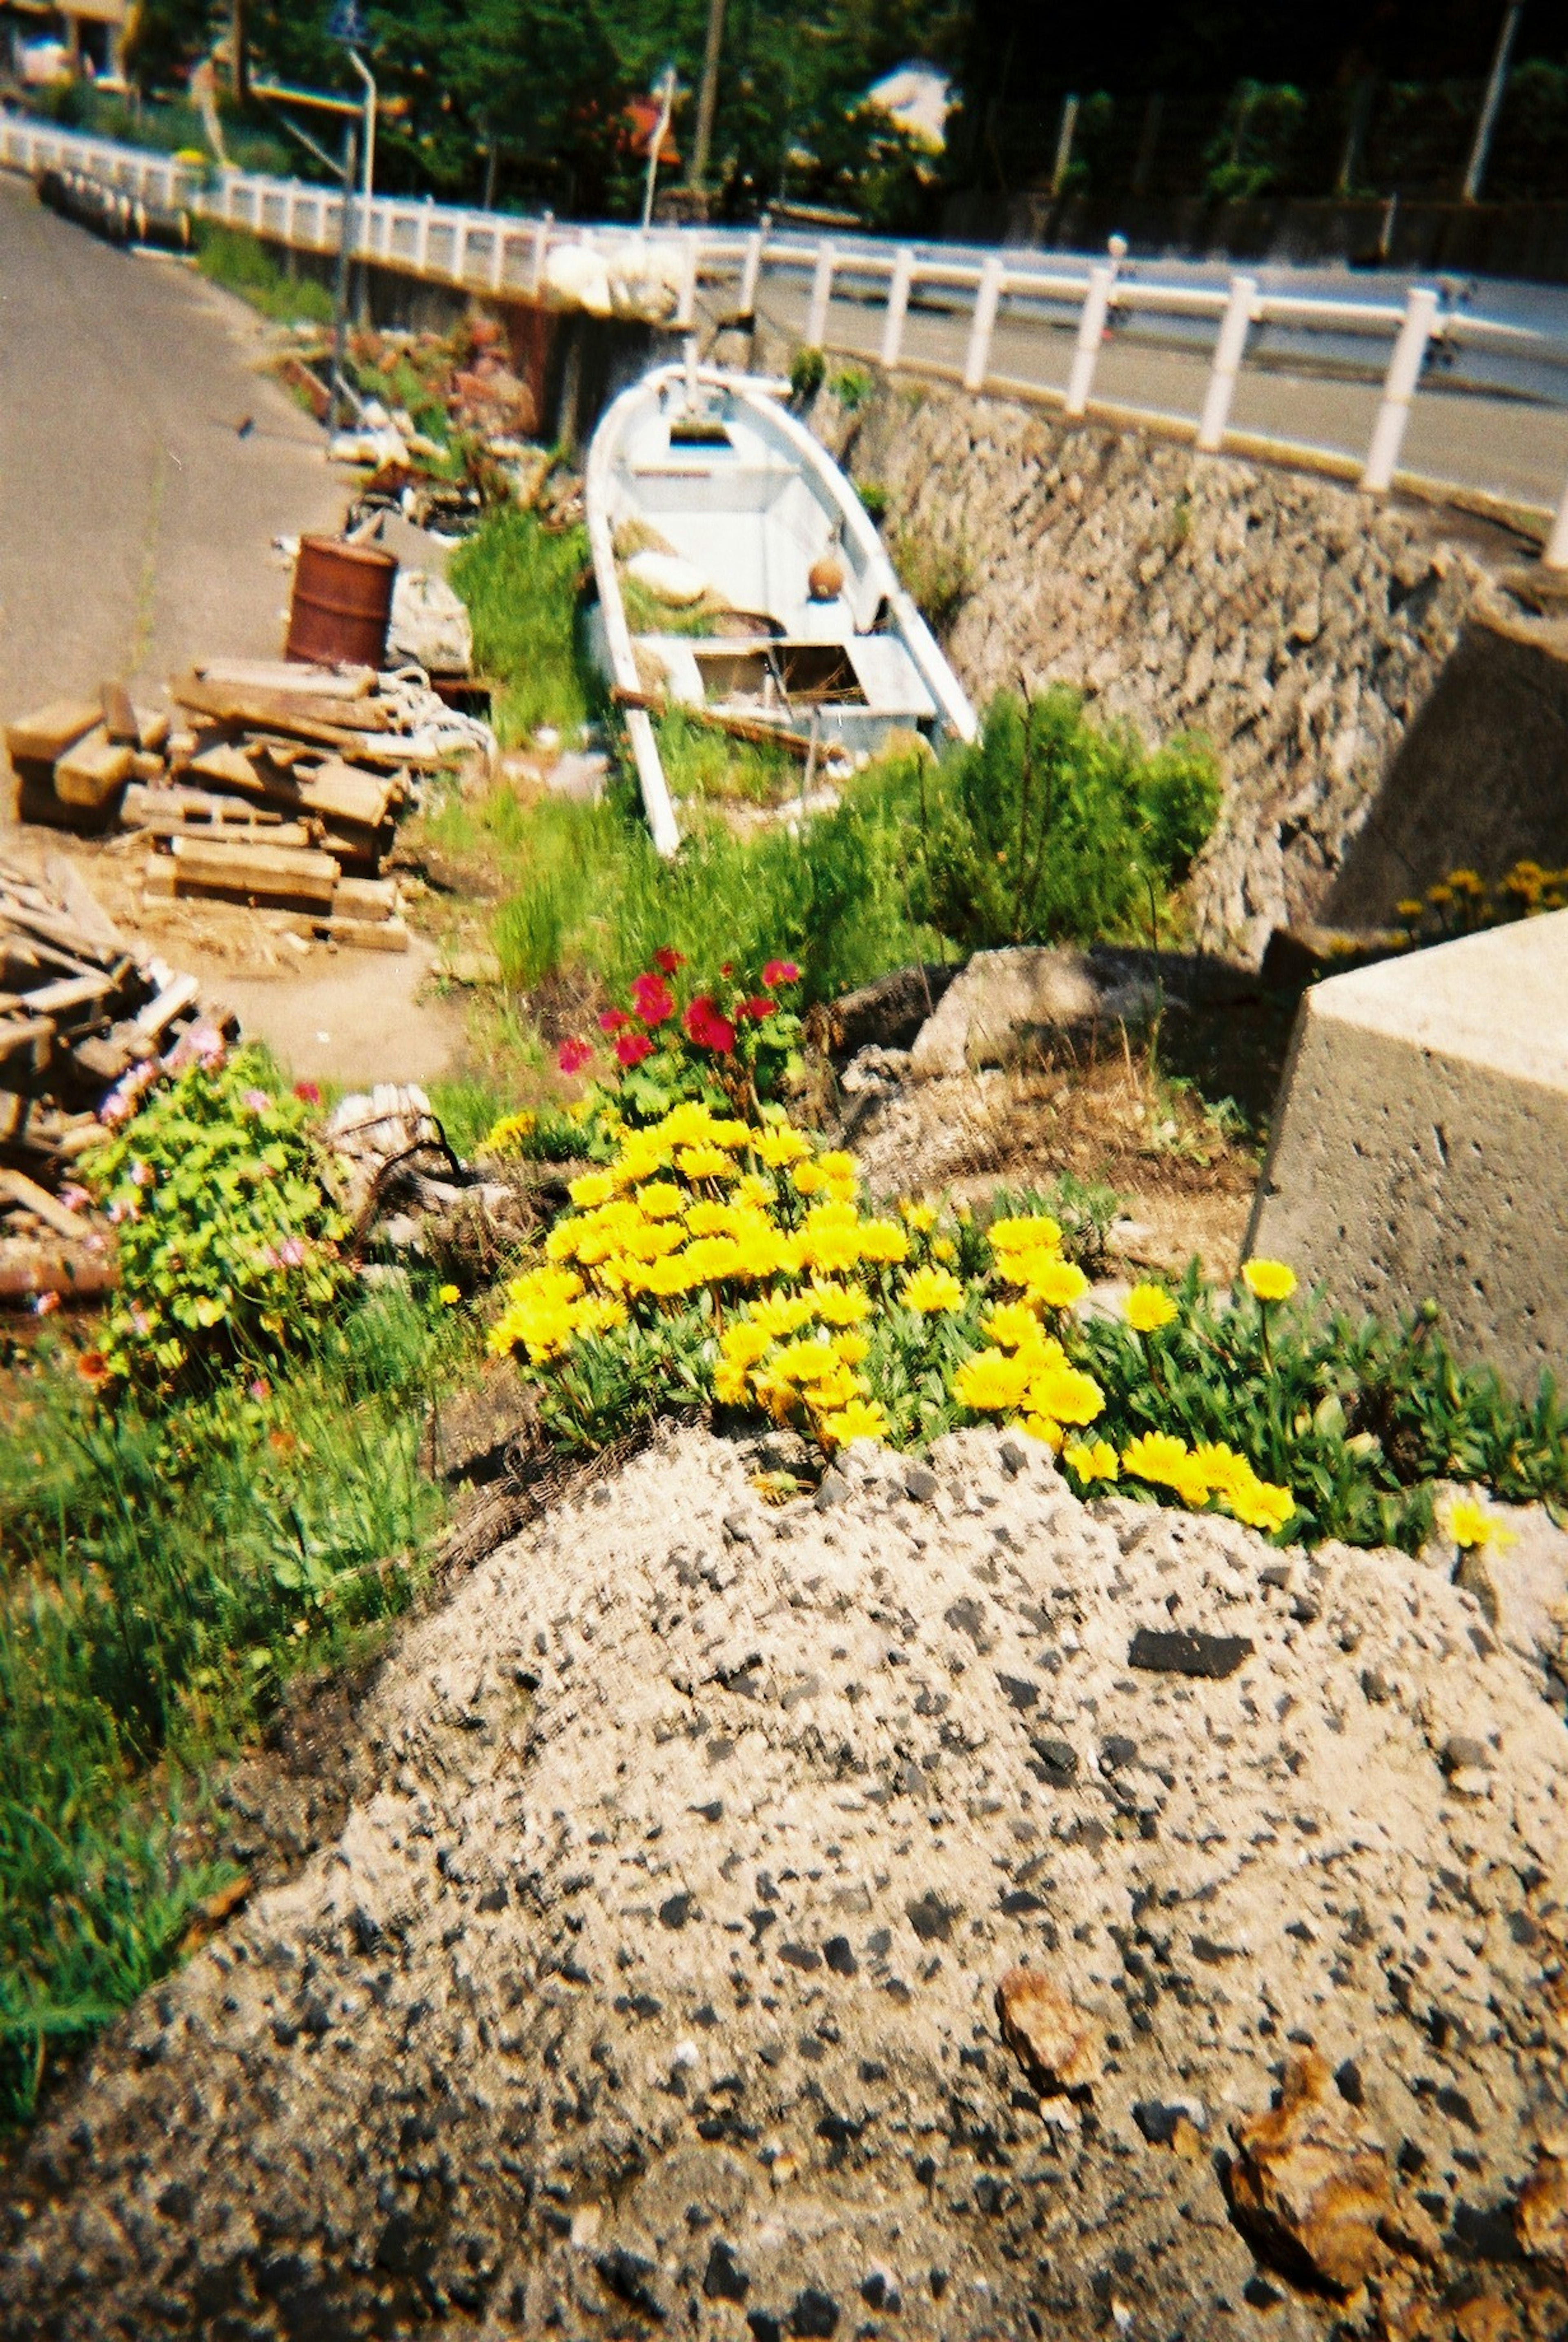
x=342, y=603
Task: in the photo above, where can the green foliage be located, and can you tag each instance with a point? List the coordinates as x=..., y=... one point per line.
x=230, y=257
x=520, y=582
x=807, y=372
x=853, y=388
x=166, y=1569
x=1252, y=150
x=941, y=577
x=736, y=1047
x=700, y=761
x=1049, y=827
x=1357, y=1420
x=875, y=497
x=228, y=1235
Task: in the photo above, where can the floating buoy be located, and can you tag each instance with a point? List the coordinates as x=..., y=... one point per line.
x=825, y=580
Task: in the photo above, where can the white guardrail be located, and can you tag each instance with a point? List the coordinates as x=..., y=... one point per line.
x=498, y=253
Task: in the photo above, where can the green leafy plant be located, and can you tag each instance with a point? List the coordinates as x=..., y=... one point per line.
x=853, y=388
x=875, y=497
x=736, y=1045
x=228, y=1234
x=940, y=576
x=520, y=580
x=807, y=372
x=1051, y=827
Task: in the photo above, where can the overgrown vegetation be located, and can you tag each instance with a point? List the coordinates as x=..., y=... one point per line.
x=243, y=265
x=1463, y=902
x=520, y=580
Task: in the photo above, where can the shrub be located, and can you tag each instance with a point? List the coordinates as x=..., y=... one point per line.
x=520, y=582
x=228, y=1232
x=1049, y=827
x=808, y=369
x=940, y=577
x=853, y=387
x=732, y=1049
x=875, y=497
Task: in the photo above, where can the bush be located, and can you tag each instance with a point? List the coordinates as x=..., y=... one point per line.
x=940, y=577
x=875, y=497
x=853, y=387
x=1050, y=828
x=808, y=370
x=520, y=580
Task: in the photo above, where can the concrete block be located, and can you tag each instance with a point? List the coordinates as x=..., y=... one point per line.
x=1421, y=1144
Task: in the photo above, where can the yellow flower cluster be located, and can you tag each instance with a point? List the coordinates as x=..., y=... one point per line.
x=1209, y=1471
x=1027, y=1374
x=777, y=1354
x=546, y=1308
x=506, y=1136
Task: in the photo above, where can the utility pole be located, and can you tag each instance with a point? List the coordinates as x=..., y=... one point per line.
x=708, y=98
x=340, y=285
x=239, y=51
x=1490, y=104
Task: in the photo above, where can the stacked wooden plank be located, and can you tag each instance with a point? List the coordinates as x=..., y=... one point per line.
x=273, y=784
x=79, y=1010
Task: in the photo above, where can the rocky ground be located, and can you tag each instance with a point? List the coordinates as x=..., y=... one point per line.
x=653, y=1981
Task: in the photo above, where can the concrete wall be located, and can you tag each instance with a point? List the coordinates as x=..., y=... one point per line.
x=1301, y=625
x=1420, y=1148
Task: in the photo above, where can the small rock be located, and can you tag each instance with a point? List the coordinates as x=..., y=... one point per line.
x=840, y=1956
x=834, y=1488
x=1160, y=2123
x=675, y=1910
x=879, y=2290
x=920, y=1484
x=1056, y=2043
x=932, y=1919
x=1186, y=1651
x=1463, y=1754
x=1411, y=2229
x=1057, y=1759
x=1310, y=2182
x=626, y=2276
x=1541, y=2215
x=1485, y=2319
x=724, y=2279
x=815, y=2313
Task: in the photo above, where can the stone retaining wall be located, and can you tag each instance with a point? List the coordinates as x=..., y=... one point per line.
x=1298, y=624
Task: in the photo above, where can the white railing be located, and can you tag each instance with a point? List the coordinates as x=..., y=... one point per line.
x=494, y=253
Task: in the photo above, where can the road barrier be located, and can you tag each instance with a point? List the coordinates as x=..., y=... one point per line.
x=505, y=254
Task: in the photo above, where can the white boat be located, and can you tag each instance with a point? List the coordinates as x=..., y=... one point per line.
x=811, y=632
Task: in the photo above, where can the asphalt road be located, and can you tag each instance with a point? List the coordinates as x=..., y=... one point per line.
x=136, y=522
x=1509, y=447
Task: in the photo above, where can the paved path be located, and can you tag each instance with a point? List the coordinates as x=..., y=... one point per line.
x=1513, y=447
x=136, y=523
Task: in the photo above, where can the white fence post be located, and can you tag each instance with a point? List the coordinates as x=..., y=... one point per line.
x=821, y=294
x=541, y=253
x=686, y=306
x=988, y=293
x=750, y=273
x=1233, y=329
x=460, y=250
x=1091, y=327
x=1399, y=388
x=422, y=241
x=897, y=304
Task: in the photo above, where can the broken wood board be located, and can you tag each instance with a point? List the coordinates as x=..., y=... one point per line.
x=15, y=1187
x=307, y=715
x=291, y=676
x=369, y=934
x=366, y=899
x=273, y=873
x=89, y=774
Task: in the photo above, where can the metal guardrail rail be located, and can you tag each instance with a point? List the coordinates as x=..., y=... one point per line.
x=497, y=255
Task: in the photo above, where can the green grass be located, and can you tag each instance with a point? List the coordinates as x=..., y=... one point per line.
x=164, y=1571
x=701, y=762
x=243, y=265
x=520, y=582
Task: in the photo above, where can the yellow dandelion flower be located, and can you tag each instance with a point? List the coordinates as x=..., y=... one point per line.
x=710, y=1219
x=563, y=1240
x=1014, y=1325
x=730, y=1384
x=991, y=1381
x=1148, y=1308
x=742, y=1345
x=1031, y=1232
x=754, y=1190
x=449, y=1296
x=861, y=1419
x=931, y=1291
x=1191, y=1486
x=1156, y=1456
x=729, y=1133
x=1091, y=1459
x=1065, y=1393
x=1268, y=1280
x=661, y=1199
x=806, y=1179
x=506, y=1136
x=594, y=1187
x=704, y=1163
x=851, y=1345
x=597, y=1314
x=804, y=1362
x=834, y=1390
x=1043, y=1427
x=779, y=1314
x=1470, y=1524
x=883, y=1240
x=918, y=1217
x=1261, y=1505
x=839, y=1305
x=780, y=1145
x=1056, y=1283
x=943, y=1248
x=1221, y=1467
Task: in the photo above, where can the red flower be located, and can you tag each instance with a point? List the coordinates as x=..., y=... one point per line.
x=653, y=999
x=308, y=1091
x=757, y=1009
x=613, y=1020
x=669, y=959
x=572, y=1056
x=728, y=968
x=632, y=1048
x=708, y=1028
x=781, y=971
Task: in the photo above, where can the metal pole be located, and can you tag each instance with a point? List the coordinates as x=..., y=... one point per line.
x=1399, y=388
x=340, y=288
x=1090, y=328
x=1233, y=329
x=897, y=304
x=1064, y=146
x=667, y=107
x=1486, y=122
x=987, y=296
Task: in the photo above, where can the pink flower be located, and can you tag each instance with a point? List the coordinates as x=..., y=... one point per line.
x=140, y=1319
x=653, y=999
x=708, y=1028
x=613, y=1020
x=308, y=1092
x=669, y=959
x=632, y=1048
x=73, y=1196
x=255, y=1101
x=572, y=1056
x=781, y=971
x=728, y=968
x=260, y=1389
x=115, y=1109
x=757, y=1009
x=141, y=1175
x=43, y=1302
x=290, y=1253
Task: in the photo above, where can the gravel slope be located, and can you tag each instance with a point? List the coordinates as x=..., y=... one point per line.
x=654, y=1986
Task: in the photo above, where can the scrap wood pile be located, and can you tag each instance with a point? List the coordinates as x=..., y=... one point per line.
x=271, y=784
x=83, y=1020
